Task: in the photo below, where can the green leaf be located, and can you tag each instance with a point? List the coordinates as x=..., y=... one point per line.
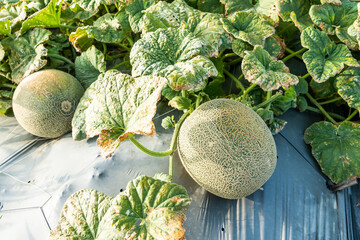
x=83, y=216
x=180, y=103
x=213, y=6
x=82, y=39
x=354, y=30
x=89, y=65
x=27, y=52
x=287, y=31
x=92, y=5
x=74, y=11
x=336, y=148
x=324, y=59
x=302, y=103
x=173, y=54
x=264, y=7
x=5, y=27
x=267, y=72
x=110, y=28
x=335, y=2
x=48, y=17
x=301, y=87
x=348, y=86
x=169, y=93
x=285, y=102
x=135, y=10
x=168, y=122
x=336, y=19
x=150, y=209
x=323, y=90
x=179, y=15
x=249, y=27
x=296, y=11
x=276, y=125
x=115, y=107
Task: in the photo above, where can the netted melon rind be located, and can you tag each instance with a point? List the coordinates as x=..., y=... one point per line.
x=227, y=148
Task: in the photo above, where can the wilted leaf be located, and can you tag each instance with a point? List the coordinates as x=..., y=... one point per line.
x=336, y=19
x=179, y=15
x=83, y=216
x=173, y=54
x=115, y=107
x=264, y=7
x=267, y=72
x=348, y=86
x=89, y=65
x=27, y=52
x=336, y=148
x=150, y=209
x=324, y=59
x=249, y=27
x=296, y=11
x=276, y=125
x=48, y=17
x=82, y=39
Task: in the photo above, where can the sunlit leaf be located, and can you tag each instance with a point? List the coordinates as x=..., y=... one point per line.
x=13, y=13
x=27, y=52
x=115, y=107
x=81, y=39
x=324, y=59
x=296, y=11
x=135, y=10
x=92, y=5
x=267, y=72
x=48, y=17
x=348, y=86
x=284, y=102
x=89, y=65
x=336, y=148
x=249, y=27
x=354, y=30
x=173, y=54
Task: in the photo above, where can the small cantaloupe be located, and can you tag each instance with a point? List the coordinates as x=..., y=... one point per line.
x=227, y=148
x=44, y=102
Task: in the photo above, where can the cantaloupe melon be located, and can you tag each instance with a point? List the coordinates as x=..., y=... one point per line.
x=227, y=148
x=44, y=102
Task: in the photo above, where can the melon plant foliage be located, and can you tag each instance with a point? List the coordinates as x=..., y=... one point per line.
x=272, y=55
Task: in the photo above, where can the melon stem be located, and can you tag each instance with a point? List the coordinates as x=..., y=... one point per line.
x=148, y=151
x=174, y=141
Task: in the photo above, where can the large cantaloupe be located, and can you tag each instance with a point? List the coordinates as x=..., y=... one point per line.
x=227, y=148
x=44, y=102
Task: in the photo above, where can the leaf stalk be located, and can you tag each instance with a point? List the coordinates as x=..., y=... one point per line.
x=323, y=111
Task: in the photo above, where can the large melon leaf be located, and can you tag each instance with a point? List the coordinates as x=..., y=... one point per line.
x=336, y=19
x=92, y=5
x=336, y=148
x=296, y=11
x=175, y=55
x=267, y=72
x=89, y=65
x=249, y=27
x=135, y=9
x=83, y=216
x=13, y=13
x=150, y=209
x=354, y=29
x=179, y=15
x=27, y=52
x=324, y=59
x=48, y=17
x=115, y=107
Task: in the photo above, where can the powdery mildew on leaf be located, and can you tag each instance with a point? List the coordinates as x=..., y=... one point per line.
x=336, y=19
x=136, y=10
x=150, y=209
x=274, y=45
x=82, y=216
x=13, y=13
x=175, y=55
x=92, y=5
x=354, y=29
x=296, y=11
x=267, y=72
x=115, y=107
x=336, y=148
x=249, y=27
x=324, y=59
x=27, y=53
x=179, y=15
